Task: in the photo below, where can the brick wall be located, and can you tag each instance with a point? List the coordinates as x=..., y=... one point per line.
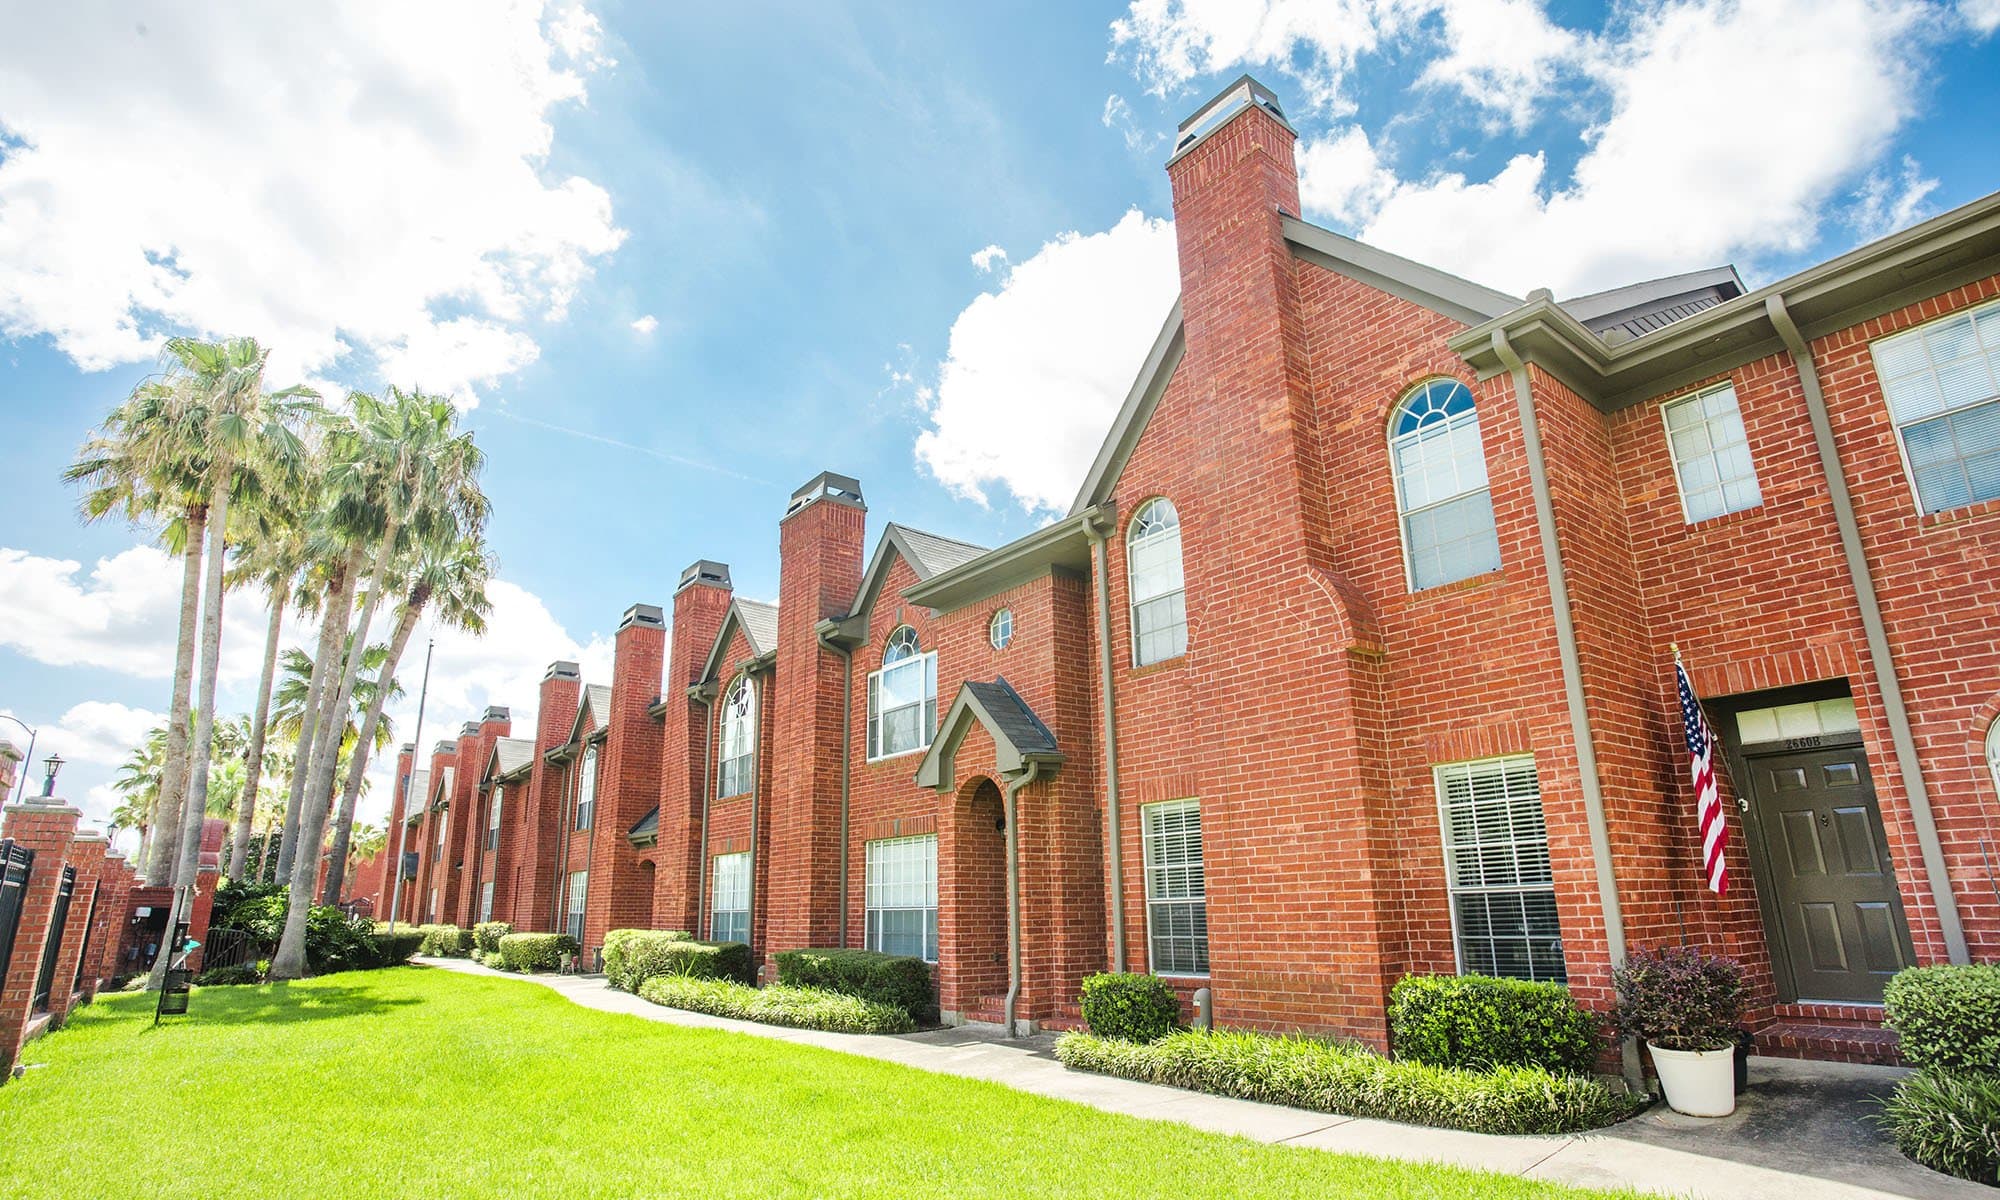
x=620, y=895
x=685, y=748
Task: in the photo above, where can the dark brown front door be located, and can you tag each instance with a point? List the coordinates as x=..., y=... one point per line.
x=1826, y=875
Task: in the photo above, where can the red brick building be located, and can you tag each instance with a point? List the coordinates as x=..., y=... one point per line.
x=1353, y=657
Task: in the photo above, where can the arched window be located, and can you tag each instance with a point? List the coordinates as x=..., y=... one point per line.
x=902, y=697
x=1441, y=492
x=739, y=739
x=1993, y=752
x=1159, y=597
x=586, y=789
x=1000, y=629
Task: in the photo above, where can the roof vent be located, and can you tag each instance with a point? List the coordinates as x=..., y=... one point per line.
x=644, y=614
x=562, y=669
x=1244, y=93
x=705, y=571
x=827, y=486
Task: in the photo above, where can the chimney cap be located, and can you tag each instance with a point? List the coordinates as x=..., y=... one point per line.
x=444, y=747
x=563, y=669
x=497, y=712
x=704, y=570
x=1245, y=92
x=409, y=747
x=469, y=729
x=644, y=614
x=827, y=485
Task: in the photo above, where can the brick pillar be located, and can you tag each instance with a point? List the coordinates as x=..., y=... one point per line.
x=107, y=934
x=457, y=823
x=701, y=603
x=86, y=857
x=46, y=826
x=534, y=871
x=820, y=545
x=628, y=778
x=431, y=866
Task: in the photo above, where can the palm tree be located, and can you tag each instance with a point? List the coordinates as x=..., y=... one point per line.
x=328, y=588
x=138, y=783
x=453, y=574
x=406, y=472
x=294, y=683
x=273, y=561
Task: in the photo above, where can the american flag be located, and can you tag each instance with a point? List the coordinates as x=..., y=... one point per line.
x=1701, y=767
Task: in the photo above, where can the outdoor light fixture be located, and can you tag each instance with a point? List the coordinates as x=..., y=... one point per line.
x=54, y=763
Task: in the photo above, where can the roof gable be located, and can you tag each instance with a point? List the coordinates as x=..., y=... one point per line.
x=510, y=755
x=596, y=705
x=1019, y=736
x=759, y=623
x=1154, y=375
x=927, y=553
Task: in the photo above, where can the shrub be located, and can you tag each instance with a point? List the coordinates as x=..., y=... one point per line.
x=896, y=979
x=1329, y=1077
x=395, y=949
x=1129, y=1007
x=493, y=959
x=338, y=942
x=487, y=934
x=445, y=941
x=257, y=909
x=779, y=1004
x=535, y=951
x=1946, y=1016
x=237, y=975
x=1478, y=1021
x=1679, y=998
x=632, y=956
x=1949, y=1120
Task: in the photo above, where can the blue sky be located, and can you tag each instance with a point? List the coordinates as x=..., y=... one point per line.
x=676, y=259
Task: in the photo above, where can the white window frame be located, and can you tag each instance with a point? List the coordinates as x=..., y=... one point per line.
x=578, y=894
x=1993, y=752
x=878, y=858
x=1985, y=327
x=1404, y=512
x=1715, y=450
x=1512, y=845
x=1137, y=538
x=916, y=661
x=729, y=897
x=1158, y=896
x=585, y=815
x=493, y=805
x=1000, y=629
x=736, y=751
x=486, y=901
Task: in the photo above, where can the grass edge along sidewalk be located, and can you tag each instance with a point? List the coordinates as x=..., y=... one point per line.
x=418, y=1082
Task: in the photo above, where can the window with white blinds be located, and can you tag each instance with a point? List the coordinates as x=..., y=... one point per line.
x=1159, y=596
x=1711, y=454
x=493, y=819
x=1942, y=382
x=902, y=697
x=739, y=739
x=1176, y=890
x=486, y=901
x=729, y=910
x=901, y=890
x=586, y=790
x=1503, y=899
x=579, y=886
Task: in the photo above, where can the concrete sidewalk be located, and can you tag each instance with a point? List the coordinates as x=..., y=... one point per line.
x=1801, y=1134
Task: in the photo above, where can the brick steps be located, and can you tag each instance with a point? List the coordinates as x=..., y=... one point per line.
x=1835, y=1043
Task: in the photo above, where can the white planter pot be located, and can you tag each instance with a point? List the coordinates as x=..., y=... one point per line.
x=1700, y=1083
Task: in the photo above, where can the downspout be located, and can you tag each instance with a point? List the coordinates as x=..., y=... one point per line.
x=1011, y=815
x=756, y=794
x=846, y=768
x=700, y=695
x=562, y=863
x=1101, y=564
x=1878, y=636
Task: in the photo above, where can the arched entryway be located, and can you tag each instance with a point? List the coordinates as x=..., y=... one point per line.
x=972, y=963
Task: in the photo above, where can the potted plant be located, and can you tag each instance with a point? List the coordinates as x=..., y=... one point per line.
x=1685, y=1005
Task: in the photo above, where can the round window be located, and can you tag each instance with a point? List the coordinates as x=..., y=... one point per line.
x=1000, y=630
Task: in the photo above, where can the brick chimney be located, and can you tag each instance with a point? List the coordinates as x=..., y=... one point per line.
x=533, y=885
x=468, y=823
x=620, y=895
x=701, y=602
x=432, y=868
x=820, y=550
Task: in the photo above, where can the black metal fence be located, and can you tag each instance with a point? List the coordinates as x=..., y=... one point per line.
x=231, y=948
x=52, y=949
x=15, y=863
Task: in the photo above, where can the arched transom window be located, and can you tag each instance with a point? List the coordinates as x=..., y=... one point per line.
x=1441, y=492
x=902, y=697
x=1159, y=596
x=1993, y=752
x=738, y=757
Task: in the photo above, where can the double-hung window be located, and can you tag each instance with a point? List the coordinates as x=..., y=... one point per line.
x=1441, y=490
x=1711, y=454
x=586, y=789
x=579, y=887
x=1159, y=590
x=1503, y=897
x=739, y=739
x=1942, y=382
x=1176, y=891
x=493, y=819
x=729, y=908
x=902, y=697
x=486, y=901
x=901, y=890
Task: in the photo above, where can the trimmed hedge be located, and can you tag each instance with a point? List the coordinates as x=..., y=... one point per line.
x=535, y=951
x=445, y=941
x=395, y=949
x=1130, y=1007
x=487, y=934
x=1478, y=1021
x=1946, y=1016
x=1327, y=1077
x=632, y=956
x=896, y=979
x=779, y=1004
x=1949, y=1120
x=235, y=976
x=491, y=958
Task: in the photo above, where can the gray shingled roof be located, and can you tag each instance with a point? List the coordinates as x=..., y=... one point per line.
x=931, y=553
x=510, y=754
x=760, y=625
x=1638, y=309
x=1015, y=720
x=420, y=791
x=647, y=828
x=598, y=696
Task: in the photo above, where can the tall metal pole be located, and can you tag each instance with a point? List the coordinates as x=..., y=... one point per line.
x=21, y=783
x=403, y=825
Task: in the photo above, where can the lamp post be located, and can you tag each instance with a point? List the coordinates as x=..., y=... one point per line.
x=54, y=763
x=21, y=785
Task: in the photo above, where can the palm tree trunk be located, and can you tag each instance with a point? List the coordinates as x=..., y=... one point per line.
x=159, y=866
x=194, y=809
x=335, y=600
x=357, y=762
x=253, y=770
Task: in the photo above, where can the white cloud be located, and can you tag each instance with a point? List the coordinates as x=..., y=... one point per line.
x=363, y=181
x=99, y=732
x=645, y=325
x=988, y=258
x=1885, y=203
x=1982, y=16
x=1035, y=371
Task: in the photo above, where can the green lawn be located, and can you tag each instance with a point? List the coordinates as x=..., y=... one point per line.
x=416, y=1082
